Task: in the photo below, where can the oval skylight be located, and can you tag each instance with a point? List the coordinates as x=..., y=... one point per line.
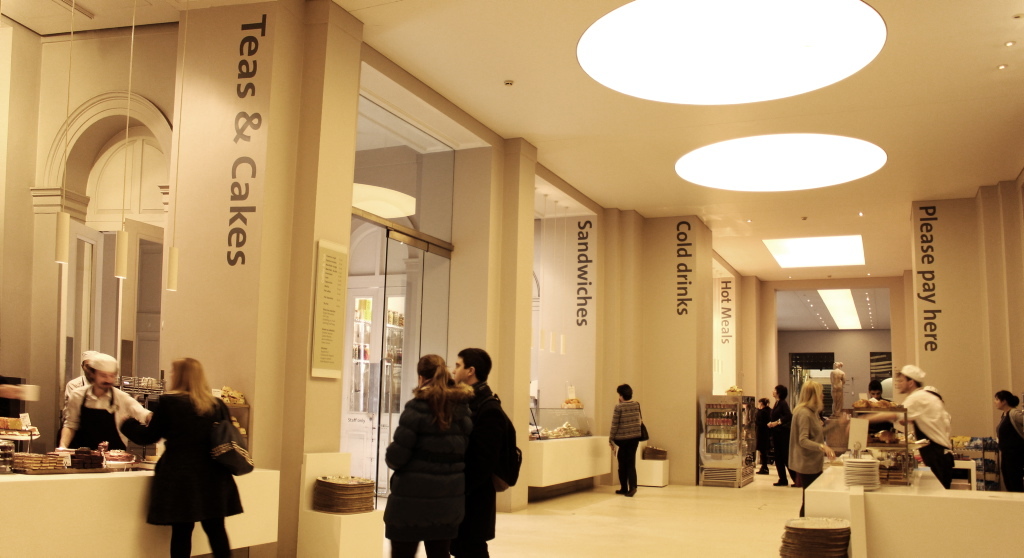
x=708, y=52
x=780, y=162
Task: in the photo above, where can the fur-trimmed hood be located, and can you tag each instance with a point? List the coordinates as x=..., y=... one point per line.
x=461, y=393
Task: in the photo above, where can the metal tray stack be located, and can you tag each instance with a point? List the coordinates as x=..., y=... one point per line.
x=343, y=495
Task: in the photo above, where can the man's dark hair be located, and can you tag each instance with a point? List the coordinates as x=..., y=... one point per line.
x=783, y=392
x=625, y=391
x=874, y=385
x=1009, y=398
x=477, y=359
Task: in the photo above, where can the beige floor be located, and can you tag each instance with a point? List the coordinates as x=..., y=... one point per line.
x=677, y=521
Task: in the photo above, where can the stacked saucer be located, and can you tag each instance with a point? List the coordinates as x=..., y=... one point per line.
x=862, y=472
x=816, y=537
x=343, y=495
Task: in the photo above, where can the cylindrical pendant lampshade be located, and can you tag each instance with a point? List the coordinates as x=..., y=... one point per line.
x=63, y=237
x=172, y=269
x=121, y=255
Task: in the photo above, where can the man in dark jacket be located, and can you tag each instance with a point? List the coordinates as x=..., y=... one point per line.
x=472, y=368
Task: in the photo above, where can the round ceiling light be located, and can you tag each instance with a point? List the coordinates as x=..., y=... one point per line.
x=780, y=162
x=721, y=53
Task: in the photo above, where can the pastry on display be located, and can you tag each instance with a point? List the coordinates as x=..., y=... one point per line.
x=874, y=404
x=572, y=403
x=232, y=396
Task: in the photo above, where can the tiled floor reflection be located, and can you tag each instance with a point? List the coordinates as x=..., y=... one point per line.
x=676, y=521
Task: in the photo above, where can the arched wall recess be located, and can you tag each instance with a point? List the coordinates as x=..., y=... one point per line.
x=147, y=181
x=90, y=127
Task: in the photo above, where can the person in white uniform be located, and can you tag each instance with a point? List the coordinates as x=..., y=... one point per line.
x=95, y=412
x=927, y=411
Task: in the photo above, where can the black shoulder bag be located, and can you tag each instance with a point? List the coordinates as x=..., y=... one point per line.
x=227, y=446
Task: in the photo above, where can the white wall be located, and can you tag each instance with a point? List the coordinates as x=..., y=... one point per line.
x=852, y=348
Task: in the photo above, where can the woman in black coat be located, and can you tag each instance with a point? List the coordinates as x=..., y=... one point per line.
x=427, y=501
x=188, y=485
x=764, y=435
x=781, y=418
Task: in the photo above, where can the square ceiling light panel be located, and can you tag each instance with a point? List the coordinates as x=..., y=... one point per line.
x=821, y=251
x=702, y=52
x=840, y=304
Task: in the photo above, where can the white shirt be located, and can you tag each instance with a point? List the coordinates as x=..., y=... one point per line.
x=72, y=386
x=123, y=407
x=929, y=415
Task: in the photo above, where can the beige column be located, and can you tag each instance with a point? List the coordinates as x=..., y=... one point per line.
x=267, y=150
x=676, y=354
x=755, y=379
x=19, y=89
x=511, y=374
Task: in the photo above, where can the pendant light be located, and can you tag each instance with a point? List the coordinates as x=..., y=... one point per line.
x=62, y=248
x=172, y=253
x=121, y=239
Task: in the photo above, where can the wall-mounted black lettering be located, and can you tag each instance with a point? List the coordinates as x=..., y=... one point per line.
x=583, y=282
x=927, y=293
x=684, y=249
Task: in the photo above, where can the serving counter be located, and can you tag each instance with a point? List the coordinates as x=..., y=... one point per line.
x=104, y=515
x=561, y=460
x=923, y=519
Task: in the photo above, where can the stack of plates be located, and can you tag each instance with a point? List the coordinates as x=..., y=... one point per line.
x=343, y=495
x=816, y=537
x=862, y=472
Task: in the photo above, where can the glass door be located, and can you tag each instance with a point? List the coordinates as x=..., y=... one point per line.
x=395, y=286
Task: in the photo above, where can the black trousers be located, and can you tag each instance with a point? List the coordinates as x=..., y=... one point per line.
x=469, y=548
x=804, y=481
x=627, y=463
x=1012, y=468
x=407, y=549
x=782, y=458
x=940, y=462
x=181, y=538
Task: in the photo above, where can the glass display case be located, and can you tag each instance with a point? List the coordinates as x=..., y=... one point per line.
x=728, y=440
x=548, y=424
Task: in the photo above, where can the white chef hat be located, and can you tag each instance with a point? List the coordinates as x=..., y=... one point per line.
x=99, y=361
x=913, y=372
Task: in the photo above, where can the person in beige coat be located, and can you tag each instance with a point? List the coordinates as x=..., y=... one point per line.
x=807, y=437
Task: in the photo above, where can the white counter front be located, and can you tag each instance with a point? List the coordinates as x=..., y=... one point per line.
x=923, y=519
x=104, y=515
x=552, y=462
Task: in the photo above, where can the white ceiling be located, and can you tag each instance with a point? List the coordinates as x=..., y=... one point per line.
x=934, y=100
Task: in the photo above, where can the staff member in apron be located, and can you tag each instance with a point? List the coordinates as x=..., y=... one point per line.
x=95, y=411
x=927, y=411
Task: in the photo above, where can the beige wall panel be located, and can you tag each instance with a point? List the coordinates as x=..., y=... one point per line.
x=675, y=358
x=99, y=64
x=749, y=334
x=1013, y=250
x=19, y=90
x=993, y=287
x=471, y=272
x=949, y=311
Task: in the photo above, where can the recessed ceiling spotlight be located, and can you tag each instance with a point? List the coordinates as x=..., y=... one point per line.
x=860, y=214
x=1003, y=66
x=721, y=53
x=748, y=220
x=1010, y=43
x=780, y=162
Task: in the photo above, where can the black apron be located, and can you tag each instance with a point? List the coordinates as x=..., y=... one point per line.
x=935, y=457
x=95, y=426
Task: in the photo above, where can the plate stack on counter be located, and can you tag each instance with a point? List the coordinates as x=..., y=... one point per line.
x=343, y=495
x=862, y=472
x=817, y=537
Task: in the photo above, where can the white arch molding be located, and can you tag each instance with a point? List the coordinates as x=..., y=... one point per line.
x=100, y=116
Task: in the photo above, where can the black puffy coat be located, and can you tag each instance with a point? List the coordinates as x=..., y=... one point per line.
x=188, y=485
x=427, y=500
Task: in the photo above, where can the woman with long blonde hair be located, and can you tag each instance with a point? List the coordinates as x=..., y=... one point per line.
x=188, y=485
x=427, y=501
x=807, y=437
